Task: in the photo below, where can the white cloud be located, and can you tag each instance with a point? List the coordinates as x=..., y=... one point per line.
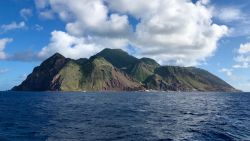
x=12, y=26
x=44, y=10
x=90, y=17
x=228, y=72
x=244, y=48
x=69, y=46
x=3, y=43
x=243, y=56
x=242, y=61
x=26, y=13
x=177, y=31
x=205, y=1
x=89, y=25
x=229, y=14
x=243, y=65
x=236, y=17
x=137, y=8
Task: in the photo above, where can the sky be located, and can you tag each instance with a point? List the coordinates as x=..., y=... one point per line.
x=209, y=34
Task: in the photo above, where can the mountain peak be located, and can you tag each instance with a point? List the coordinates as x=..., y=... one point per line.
x=57, y=55
x=117, y=57
x=110, y=50
x=55, y=59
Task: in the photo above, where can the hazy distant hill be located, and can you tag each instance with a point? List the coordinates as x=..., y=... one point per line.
x=116, y=70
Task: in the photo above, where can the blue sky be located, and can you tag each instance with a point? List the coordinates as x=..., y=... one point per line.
x=213, y=35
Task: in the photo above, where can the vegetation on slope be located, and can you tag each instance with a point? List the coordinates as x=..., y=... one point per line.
x=116, y=70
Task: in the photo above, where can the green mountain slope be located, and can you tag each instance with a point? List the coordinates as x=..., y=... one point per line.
x=68, y=78
x=118, y=58
x=104, y=76
x=116, y=70
x=143, y=68
x=185, y=79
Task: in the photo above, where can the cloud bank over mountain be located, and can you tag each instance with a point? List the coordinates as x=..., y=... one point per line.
x=173, y=32
x=3, y=43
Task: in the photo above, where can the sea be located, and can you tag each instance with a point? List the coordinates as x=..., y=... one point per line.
x=124, y=116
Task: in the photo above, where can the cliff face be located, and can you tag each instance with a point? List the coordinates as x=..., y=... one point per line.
x=41, y=77
x=116, y=70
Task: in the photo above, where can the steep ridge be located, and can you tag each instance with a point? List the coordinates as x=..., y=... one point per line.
x=176, y=78
x=41, y=77
x=144, y=68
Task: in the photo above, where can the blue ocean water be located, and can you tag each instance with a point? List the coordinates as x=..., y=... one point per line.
x=31, y=116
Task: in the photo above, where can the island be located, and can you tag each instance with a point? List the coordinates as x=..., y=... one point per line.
x=116, y=70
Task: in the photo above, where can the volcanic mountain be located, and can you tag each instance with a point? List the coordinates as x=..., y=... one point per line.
x=116, y=70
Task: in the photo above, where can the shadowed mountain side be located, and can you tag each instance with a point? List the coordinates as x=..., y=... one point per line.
x=116, y=70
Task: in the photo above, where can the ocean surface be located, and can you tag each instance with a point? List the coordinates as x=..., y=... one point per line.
x=48, y=116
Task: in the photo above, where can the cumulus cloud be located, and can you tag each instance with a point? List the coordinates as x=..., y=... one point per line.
x=176, y=31
x=172, y=31
x=69, y=46
x=90, y=17
x=243, y=56
x=3, y=43
x=242, y=61
x=228, y=72
x=236, y=17
x=12, y=26
x=44, y=10
x=26, y=13
x=244, y=48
